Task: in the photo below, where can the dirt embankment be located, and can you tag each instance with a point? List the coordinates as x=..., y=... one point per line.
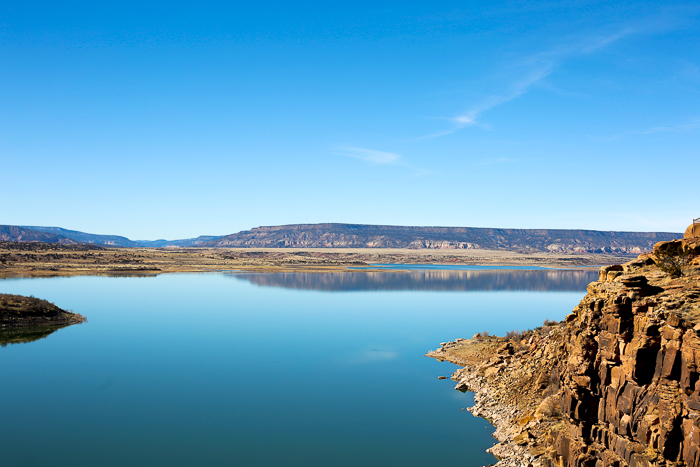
x=616, y=384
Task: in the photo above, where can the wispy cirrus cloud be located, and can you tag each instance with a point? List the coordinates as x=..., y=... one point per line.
x=375, y=157
x=527, y=73
x=596, y=43
x=370, y=155
x=691, y=125
x=496, y=161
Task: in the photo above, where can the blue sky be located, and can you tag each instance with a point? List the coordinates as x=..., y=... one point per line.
x=176, y=119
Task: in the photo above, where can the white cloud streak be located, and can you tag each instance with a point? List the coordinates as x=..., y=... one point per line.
x=370, y=155
x=534, y=68
x=374, y=157
x=691, y=125
x=496, y=161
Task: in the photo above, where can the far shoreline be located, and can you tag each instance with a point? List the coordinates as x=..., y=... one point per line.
x=49, y=260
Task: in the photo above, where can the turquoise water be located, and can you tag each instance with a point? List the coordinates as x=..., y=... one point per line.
x=221, y=370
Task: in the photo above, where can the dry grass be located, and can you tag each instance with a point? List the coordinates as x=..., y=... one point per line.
x=21, y=305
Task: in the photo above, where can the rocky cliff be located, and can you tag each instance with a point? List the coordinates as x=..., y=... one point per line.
x=616, y=384
x=387, y=236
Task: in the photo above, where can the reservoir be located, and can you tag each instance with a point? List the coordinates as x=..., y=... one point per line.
x=243, y=369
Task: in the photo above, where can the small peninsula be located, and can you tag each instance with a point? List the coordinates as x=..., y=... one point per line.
x=20, y=311
x=617, y=383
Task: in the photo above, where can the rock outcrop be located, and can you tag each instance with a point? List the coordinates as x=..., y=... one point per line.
x=692, y=231
x=616, y=384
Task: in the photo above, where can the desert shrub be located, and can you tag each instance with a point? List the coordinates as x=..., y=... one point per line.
x=546, y=327
x=550, y=407
x=515, y=335
x=673, y=258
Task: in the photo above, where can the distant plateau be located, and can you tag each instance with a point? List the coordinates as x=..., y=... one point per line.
x=372, y=236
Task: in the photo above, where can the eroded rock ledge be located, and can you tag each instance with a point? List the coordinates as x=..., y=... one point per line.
x=20, y=311
x=615, y=384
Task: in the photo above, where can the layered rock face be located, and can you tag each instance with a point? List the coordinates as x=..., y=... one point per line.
x=630, y=373
x=624, y=370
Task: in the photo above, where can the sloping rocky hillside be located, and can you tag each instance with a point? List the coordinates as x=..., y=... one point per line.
x=12, y=233
x=118, y=241
x=616, y=384
x=384, y=236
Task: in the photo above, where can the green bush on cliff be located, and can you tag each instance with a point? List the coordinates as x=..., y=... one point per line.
x=673, y=258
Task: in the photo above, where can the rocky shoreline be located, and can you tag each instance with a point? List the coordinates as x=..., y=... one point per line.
x=507, y=389
x=616, y=384
x=502, y=416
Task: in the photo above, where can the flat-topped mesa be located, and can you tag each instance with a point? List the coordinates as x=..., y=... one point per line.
x=616, y=384
x=20, y=311
x=417, y=237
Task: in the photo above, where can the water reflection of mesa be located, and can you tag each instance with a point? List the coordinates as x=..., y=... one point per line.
x=536, y=280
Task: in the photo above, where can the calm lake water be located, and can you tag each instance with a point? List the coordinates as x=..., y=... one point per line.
x=226, y=369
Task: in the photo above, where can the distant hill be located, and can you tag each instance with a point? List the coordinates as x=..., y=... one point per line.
x=54, y=234
x=13, y=233
x=387, y=236
x=187, y=242
x=372, y=236
x=82, y=237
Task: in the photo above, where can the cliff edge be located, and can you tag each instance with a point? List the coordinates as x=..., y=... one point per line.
x=616, y=384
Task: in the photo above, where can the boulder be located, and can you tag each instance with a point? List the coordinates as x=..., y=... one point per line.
x=692, y=231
